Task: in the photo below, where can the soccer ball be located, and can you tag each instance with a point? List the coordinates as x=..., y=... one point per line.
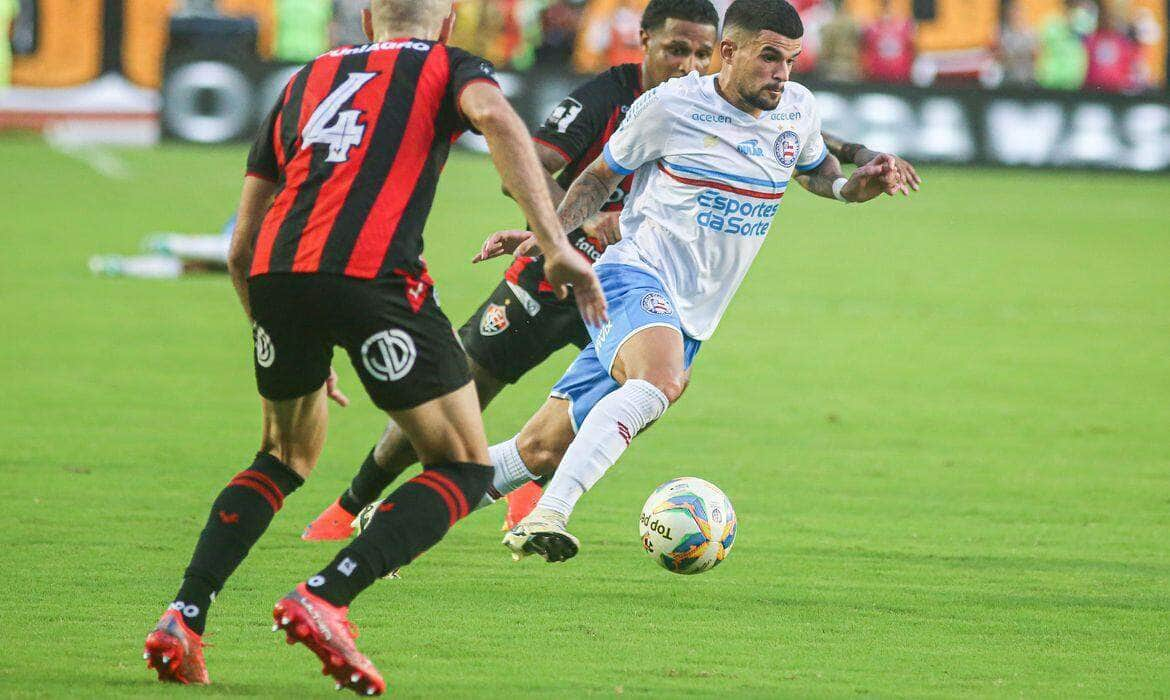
x=687, y=525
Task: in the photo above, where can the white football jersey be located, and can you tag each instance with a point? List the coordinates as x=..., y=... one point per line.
x=709, y=179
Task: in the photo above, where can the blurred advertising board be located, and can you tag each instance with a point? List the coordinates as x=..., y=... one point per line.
x=210, y=101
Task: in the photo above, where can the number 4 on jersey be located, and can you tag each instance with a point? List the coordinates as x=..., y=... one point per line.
x=345, y=132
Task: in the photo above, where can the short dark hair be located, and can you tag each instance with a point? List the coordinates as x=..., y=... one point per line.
x=697, y=11
x=758, y=15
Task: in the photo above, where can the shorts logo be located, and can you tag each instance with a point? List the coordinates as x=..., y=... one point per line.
x=389, y=355
x=347, y=566
x=655, y=303
x=494, y=321
x=787, y=148
x=265, y=351
x=316, y=581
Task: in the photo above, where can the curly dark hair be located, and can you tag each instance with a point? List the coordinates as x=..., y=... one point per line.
x=697, y=11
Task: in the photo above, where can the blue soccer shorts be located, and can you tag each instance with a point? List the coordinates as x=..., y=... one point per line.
x=636, y=301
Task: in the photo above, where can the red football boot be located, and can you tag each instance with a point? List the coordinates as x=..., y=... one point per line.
x=520, y=503
x=334, y=523
x=175, y=652
x=325, y=629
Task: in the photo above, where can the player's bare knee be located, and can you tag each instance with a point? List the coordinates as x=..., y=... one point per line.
x=671, y=385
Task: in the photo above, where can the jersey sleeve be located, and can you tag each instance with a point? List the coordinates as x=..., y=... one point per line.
x=643, y=135
x=815, y=150
x=262, y=161
x=578, y=121
x=467, y=69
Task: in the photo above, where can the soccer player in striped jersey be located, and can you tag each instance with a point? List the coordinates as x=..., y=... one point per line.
x=327, y=251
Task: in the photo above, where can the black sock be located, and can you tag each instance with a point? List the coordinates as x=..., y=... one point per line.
x=409, y=522
x=240, y=515
x=369, y=483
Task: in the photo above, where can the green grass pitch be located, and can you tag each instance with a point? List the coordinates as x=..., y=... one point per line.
x=944, y=423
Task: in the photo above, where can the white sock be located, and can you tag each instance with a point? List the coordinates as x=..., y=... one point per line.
x=510, y=472
x=604, y=436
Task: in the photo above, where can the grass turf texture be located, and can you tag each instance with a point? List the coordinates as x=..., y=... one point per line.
x=943, y=423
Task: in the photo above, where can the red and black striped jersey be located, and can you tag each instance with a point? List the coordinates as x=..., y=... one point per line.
x=578, y=128
x=355, y=145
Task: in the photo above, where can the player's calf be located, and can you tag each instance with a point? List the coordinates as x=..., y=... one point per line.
x=408, y=522
x=239, y=516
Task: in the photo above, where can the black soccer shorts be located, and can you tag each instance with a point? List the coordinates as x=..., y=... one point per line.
x=399, y=341
x=519, y=326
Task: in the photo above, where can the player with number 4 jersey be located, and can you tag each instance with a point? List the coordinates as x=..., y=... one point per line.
x=327, y=252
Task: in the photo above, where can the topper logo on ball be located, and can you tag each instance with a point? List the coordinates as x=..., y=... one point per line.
x=389, y=355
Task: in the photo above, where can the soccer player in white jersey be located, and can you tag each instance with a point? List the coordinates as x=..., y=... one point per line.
x=713, y=157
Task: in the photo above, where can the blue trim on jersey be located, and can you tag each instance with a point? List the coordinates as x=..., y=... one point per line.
x=613, y=164
x=735, y=178
x=814, y=166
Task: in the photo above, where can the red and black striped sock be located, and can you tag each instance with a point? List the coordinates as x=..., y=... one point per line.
x=409, y=522
x=240, y=515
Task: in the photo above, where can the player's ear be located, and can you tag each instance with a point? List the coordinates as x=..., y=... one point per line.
x=727, y=49
x=368, y=24
x=448, y=27
x=644, y=40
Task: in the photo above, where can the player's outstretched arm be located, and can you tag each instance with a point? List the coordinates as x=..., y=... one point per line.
x=869, y=181
x=515, y=159
x=859, y=155
x=254, y=203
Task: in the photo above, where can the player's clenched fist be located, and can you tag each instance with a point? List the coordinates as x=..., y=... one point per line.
x=564, y=267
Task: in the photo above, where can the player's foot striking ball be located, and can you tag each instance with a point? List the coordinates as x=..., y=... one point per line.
x=327, y=252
